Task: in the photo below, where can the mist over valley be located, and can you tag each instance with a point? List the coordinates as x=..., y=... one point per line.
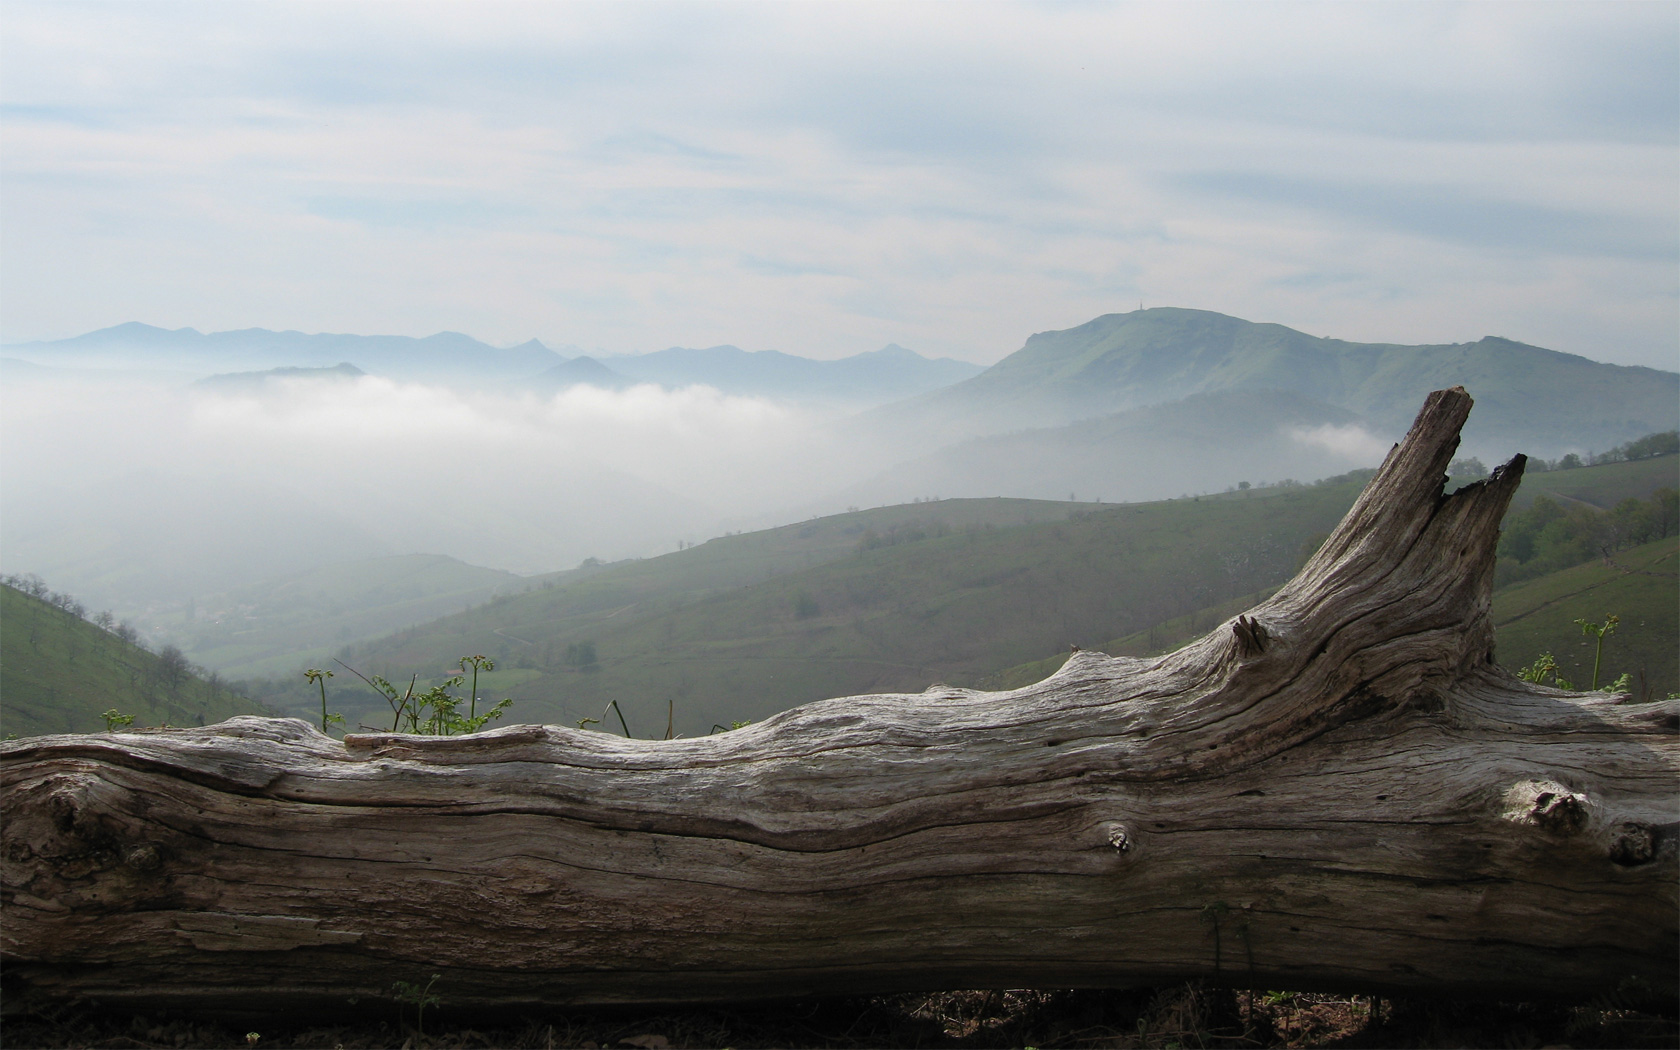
x=239, y=496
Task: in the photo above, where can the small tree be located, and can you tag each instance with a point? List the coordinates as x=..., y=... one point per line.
x=172, y=668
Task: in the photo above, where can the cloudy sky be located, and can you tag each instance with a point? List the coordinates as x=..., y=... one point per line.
x=825, y=179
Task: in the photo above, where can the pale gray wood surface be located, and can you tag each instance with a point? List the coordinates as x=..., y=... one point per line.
x=1340, y=790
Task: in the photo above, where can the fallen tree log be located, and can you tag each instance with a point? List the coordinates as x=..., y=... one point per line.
x=1338, y=789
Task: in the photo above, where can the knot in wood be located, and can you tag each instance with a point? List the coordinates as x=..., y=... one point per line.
x=1251, y=636
x=143, y=857
x=1548, y=805
x=1634, y=844
x=1120, y=838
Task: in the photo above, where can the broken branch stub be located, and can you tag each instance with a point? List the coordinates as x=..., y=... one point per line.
x=1338, y=789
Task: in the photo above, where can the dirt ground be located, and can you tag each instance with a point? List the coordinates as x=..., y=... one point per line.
x=1177, y=1018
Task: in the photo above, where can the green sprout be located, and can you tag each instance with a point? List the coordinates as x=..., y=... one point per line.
x=420, y=997
x=1599, y=631
x=319, y=677
x=477, y=662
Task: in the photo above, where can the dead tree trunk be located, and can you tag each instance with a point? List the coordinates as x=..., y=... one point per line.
x=1339, y=789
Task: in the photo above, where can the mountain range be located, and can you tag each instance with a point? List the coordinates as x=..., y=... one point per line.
x=141, y=346
x=1527, y=398
x=879, y=376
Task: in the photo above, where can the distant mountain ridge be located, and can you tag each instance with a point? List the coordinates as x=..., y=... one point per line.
x=246, y=382
x=445, y=354
x=888, y=374
x=1527, y=397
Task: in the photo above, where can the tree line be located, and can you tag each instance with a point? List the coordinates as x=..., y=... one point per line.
x=1664, y=443
x=171, y=669
x=1549, y=536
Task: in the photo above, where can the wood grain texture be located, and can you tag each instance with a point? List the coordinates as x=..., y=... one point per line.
x=1339, y=790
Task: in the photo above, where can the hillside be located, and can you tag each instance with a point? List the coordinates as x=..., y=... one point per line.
x=1640, y=585
x=933, y=591
x=1602, y=486
x=886, y=600
x=1527, y=398
x=1530, y=617
x=58, y=672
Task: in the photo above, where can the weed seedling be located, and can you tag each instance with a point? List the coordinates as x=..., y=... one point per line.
x=319, y=677
x=420, y=997
x=1543, y=666
x=115, y=720
x=478, y=662
x=1598, y=631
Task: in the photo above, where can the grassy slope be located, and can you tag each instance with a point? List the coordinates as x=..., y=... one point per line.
x=1602, y=486
x=58, y=672
x=946, y=607
x=1539, y=615
x=716, y=631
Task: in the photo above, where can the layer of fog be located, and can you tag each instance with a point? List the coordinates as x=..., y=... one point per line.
x=128, y=493
x=139, y=494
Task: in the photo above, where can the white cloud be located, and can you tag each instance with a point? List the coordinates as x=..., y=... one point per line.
x=1355, y=444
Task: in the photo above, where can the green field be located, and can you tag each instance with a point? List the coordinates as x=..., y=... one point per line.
x=58, y=672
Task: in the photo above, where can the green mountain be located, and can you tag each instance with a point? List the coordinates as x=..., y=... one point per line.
x=1527, y=398
x=58, y=672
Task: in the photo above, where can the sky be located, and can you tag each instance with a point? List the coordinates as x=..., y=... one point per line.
x=824, y=179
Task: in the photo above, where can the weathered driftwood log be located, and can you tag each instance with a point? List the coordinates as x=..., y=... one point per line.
x=1339, y=789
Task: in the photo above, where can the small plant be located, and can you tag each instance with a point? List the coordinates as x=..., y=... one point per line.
x=319, y=677
x=420, y=997
x=115, y=720
x=1544, y=666
x=434, y=712
x=612, y=705
x=477, y=662
x=1599, y=631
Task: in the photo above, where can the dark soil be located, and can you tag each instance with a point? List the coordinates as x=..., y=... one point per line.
x=1177, y=1018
